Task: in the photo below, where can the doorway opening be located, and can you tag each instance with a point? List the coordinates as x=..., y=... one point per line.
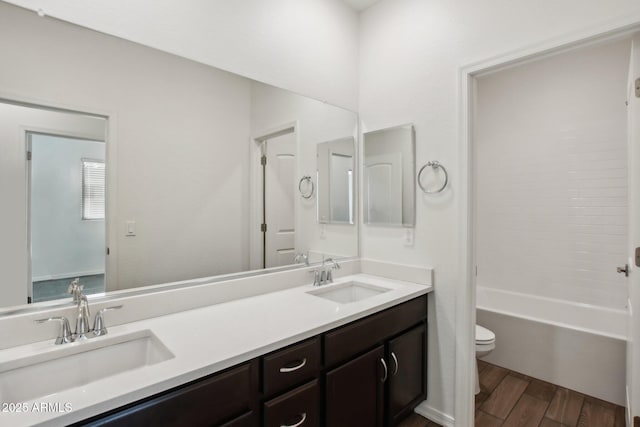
x=66, y=186
x=607, y=171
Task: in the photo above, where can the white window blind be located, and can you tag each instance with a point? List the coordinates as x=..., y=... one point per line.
x=93, y=184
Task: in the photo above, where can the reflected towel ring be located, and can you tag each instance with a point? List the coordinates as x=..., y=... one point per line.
x=435, y=165
x=309, y=193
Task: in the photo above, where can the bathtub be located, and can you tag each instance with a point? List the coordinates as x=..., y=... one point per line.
x=577, y=346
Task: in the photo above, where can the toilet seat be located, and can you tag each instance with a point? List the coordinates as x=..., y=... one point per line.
x=484, y=336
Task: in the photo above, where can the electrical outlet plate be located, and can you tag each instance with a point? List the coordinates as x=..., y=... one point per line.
x=408, y=237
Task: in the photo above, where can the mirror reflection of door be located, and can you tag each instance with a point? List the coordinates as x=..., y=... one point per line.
x=341, y=187
x=279, y=200
x=67, y=214
x=383, y=188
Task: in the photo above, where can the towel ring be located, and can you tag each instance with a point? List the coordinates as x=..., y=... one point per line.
x=308, y=194
x=435, y=165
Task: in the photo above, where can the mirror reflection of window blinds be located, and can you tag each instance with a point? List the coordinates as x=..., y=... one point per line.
x=93, y=185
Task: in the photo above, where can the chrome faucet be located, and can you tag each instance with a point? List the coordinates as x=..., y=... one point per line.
x=324, y=274
x=82, y=331
x=301, y=258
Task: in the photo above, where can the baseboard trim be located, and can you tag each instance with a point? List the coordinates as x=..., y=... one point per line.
x=435, y=415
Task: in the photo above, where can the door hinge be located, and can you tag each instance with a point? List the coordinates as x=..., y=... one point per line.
x=263, y=228
x=624, y=270
x=29, y=300
x=476, y=272
x=263, y=160
x=637, y=87
x=29, y=155
x=108, y=251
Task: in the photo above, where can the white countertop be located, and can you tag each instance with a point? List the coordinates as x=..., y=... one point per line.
x=204, y=341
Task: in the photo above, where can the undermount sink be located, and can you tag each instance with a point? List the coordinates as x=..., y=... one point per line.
x=77, y=364
x=345, y=293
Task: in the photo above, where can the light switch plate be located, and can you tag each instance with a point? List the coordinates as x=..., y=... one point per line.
x=131, y=228
x=637, y=257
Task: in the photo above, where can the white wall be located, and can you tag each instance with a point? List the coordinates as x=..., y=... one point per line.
x=317, y=122
x=410, y=55
x=62, y=243
x=176, y=125
x=550, y=176
x=310, y=46
x=14, y=122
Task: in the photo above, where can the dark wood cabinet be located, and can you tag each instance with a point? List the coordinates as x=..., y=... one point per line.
x=371, y=372
x=407, y=355
x=299, y=407
x=384, y=389
x=354, y=392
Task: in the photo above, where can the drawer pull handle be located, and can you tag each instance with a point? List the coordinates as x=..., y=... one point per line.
x=395, y=361
x=386, y=372
x=294, y=368
x=303, y=417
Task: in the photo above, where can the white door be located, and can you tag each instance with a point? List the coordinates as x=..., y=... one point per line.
x=383, y=189
x=280, y=200
x=633, y=346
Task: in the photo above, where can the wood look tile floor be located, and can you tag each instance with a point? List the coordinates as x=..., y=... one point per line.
x=511, y=399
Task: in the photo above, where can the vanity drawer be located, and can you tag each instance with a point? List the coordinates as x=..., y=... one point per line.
x=347, y=341
x=290, y=366
x=300, y=406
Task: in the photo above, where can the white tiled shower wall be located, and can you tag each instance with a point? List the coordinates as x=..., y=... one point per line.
x=551, y=176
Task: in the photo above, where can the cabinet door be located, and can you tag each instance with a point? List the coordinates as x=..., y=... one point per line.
x=354, y=392
x=407, y=357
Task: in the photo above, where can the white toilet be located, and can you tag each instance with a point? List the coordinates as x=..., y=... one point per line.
x=485, y=343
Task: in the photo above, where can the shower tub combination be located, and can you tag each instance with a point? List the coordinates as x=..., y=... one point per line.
x=577, y=346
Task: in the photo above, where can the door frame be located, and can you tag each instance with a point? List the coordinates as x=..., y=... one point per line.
x=111, y=191
x=256, y=246
x=466, y=290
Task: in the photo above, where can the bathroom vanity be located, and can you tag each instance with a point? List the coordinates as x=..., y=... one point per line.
x=370, y=372
x=349, y=353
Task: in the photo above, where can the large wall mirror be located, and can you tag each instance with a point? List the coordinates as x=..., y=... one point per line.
x=388, y=174
x=158, y=160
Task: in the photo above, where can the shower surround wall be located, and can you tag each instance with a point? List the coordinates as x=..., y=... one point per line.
x=551, y=176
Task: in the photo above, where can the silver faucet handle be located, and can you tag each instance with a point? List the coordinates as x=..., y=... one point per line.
x=334, y=263
x=99, y=327
x=65, y=336
x=316, y=277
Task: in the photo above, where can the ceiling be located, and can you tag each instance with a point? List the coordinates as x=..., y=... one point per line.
x=360, y=4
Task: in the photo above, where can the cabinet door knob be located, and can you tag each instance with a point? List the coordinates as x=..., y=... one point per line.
x=303, y=417
x=294, y=368
x=395, y=361
x=386, y=371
